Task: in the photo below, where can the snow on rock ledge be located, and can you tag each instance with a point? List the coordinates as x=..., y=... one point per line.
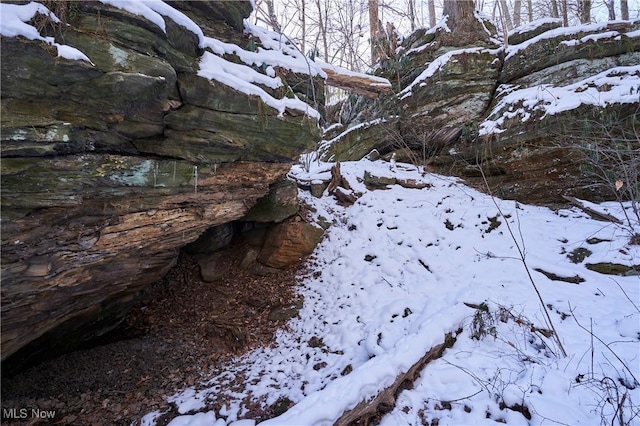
x=108, y=169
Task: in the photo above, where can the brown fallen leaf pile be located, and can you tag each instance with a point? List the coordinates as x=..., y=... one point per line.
x=180, y=334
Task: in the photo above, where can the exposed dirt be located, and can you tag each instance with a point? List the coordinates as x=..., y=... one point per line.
x=181, y=331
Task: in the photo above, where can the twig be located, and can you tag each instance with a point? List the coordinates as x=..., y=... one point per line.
x=526, y=267
x=591, y=332
x=601, y=341
x=626, y=295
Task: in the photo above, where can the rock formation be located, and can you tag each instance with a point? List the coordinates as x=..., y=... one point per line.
x=503, y=109
x=109, y=167
x=540, y=152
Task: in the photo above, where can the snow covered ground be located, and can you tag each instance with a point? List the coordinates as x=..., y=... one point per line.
x=402, y=267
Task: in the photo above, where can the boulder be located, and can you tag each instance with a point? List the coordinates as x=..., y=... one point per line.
x=81, y=236
x=356, y=143
x=250, y=258
x=378, y=182
x=441, y=89
x=317, y=187
x=438, y=107
x=549, y=50
x=231, y=13
x=533, y=29
x=540, y=158
x=212, y=240
x=280, y=203
x=213, y=266
x=288, y=242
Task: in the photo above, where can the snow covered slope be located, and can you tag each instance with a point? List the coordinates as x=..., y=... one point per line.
x=402, y=267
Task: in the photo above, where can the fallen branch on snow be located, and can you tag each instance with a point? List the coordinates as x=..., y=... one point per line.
x=385, y=400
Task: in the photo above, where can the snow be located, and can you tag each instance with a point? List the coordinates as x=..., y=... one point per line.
x=402, y=267
x=593, y=37
x=297, y=63
x=419, y=49
x=616, y=85
x=154, y=10
x=13, y=23
x=530, y=26
x=436, y=65
x=558, y=32
x=242, y=77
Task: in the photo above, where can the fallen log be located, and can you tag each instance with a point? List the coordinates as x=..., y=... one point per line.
x=362, y=84
x=368, y=412
x=591, y=212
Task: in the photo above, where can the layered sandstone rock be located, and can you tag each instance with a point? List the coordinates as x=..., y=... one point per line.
x=110, y=167
x=541, y=151
x=455, y=109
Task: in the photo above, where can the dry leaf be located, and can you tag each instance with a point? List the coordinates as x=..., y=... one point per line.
x=619, y=184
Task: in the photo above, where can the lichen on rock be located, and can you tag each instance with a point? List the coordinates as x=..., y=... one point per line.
x=110, y=167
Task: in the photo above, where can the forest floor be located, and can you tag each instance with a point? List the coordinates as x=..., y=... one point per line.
x=181, y=333
x=508, y=288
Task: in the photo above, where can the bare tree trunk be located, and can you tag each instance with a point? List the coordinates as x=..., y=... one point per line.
x=585, y=11
x=303, y=25
x=565, y=14
x=432, y=13
x=460, y=13
x=517, y=11
x=465, y=27
x=273, y=20
x=412, y=14
x=624, y=9
x=506, y=16
x=374, y=31
x=322, y=24
x=554, y=9
x=612, y=10
x=530, y=9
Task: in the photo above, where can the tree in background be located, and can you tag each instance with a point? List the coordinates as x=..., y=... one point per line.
x=584, y=10
x=268, y=14
x=504, y=13
x=411, y=7
x=374, y=31
x=517, y=12
x=624, y=9
x=323, y=11
x=612, y=9
x=347, y=32
x=565, y=13
x=461, y=20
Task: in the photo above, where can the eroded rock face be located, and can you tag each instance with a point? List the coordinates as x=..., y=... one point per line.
x=280, y=203
x=286, y=243
x=540, y=159
x=440, y=89
x=109, y=169
x=446, y=98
